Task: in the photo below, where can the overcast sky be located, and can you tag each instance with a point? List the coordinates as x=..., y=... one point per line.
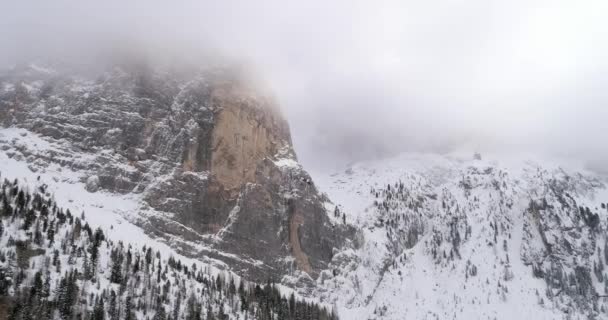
x=361, y=79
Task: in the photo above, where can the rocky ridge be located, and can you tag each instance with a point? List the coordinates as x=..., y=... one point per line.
x=451, y=236
x=210, y=158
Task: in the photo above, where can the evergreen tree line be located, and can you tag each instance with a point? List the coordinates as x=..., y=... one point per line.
x=53, y=265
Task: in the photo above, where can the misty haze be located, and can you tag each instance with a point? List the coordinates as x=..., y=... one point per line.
x=303, y=160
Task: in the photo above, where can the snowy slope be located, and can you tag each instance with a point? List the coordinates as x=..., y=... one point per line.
x=111, y=212
x=181, y=287
x=201, y=155
x=440, y=236
x=455, y=238
x=54, y=266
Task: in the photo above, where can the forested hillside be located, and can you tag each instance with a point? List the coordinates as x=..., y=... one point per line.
x=53, y=265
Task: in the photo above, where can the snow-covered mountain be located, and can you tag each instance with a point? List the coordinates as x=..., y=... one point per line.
x=205, y=156
x=199, y=166
x=54, y=265
x=458, y=237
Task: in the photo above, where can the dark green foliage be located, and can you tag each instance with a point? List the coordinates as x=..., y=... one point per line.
x=141, y=284
x=5, y=281
x=113, y=311
x=67, y=292
x=129, y=309
x=99, y=310
x=116, y=272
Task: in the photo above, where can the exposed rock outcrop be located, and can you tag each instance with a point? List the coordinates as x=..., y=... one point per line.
x=209, y=155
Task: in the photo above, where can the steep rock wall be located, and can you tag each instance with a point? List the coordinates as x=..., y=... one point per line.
x=209, y=156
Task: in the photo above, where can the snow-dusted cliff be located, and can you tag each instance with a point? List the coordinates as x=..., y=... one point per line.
x=198, y=165
x=453, y=237
x=207, y=159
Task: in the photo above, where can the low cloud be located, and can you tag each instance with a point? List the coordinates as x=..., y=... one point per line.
x=360, y=79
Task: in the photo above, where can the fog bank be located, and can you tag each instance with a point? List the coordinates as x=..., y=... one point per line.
x=361, y=79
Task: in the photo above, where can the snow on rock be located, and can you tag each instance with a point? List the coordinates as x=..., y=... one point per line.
x=189, y=145
x=92, y=183
x=287, y=163
x=115, y=214
x=53, y=264
x=454, y=236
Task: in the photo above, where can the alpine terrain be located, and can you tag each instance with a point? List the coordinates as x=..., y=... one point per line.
x=460, y=237
x=151, y=192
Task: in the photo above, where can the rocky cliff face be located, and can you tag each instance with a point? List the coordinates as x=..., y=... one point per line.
x=208, y=155
x=457, y=237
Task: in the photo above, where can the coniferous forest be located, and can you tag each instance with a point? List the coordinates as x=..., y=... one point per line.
x=54, y=265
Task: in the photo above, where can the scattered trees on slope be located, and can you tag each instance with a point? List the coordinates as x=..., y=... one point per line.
x=69, y=271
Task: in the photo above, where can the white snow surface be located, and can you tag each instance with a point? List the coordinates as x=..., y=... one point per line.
x=420, y=288
x=108, y=211
x=111, y=212
x=375, y=281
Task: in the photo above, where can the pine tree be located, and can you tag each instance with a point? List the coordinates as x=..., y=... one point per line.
x=210, y=315
x=148, y=258
x=30, y=216
x=292, y=305
x=129, y=309
x=98, y=310
x=160, y=314
x=221, y=314
x=113, y=310
x=37, y=234
x=606, y=251
x=46, y=288
x=243, y=297
x=231, y=288
x=218, y=283
x=50, y=233
x=21, y=200
x=98, y=237
x=66, y=295
x=177, y=306
x=116, y=271
x=7, y=209
x=56, y=262
x=158, y=271
x=194, y=309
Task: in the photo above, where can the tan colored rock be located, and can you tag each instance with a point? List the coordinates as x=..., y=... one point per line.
x=248, y=130
x=210, y=154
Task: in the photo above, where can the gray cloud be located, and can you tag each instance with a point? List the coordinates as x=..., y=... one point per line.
x=361, y=79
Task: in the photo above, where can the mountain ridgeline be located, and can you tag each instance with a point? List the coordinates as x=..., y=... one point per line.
x=198, y=164
x=459, y=237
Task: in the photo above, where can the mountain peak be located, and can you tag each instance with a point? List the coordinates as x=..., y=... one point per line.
x=209, y=157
